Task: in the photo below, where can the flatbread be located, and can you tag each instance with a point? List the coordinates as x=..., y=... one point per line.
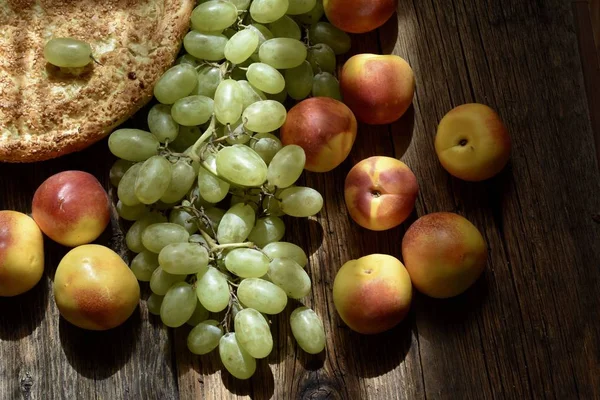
x=46, y=112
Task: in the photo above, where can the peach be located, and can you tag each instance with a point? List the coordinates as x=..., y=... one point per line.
x=21, y=253
x=380, y=192
x=472, y=143
x=444, y=254
x=325, y=128
x=94, y=289
x=359, y=16
x=372, y=294
x=377, y=88
x=71, y=208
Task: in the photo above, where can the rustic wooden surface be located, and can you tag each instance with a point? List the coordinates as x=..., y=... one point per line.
x=530, y=326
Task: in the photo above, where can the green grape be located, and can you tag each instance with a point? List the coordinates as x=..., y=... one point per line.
x=192, y=110
x=157, y=236
x=247, y=263
x=267, y=230
x=228, y=102
x=198, y=200
x=133, y=239
x=176, y=83
x=143, y=265
x=241, y=165
x=228, y=33
x=126, y=188
x=181, y=217
x=280, y=97
x=324, y=32
x=262, y=295
x=131, y=213
x=178, y=305
x=250, y=95
x=204, y=337
x=133, y=144
x=117, y=171
x=213, y=15
x=286, y=250
x=215, y=216
x=209, y=78
x=241, y=46
x=298, y=7
x=322, y=58
x=183, y=176
x=241, y=4
x=286, y=167
x=299, y=81
x=161, y=124
x=188, y=59
x=161, y=281
x=263, y=32
x=213, y=189
x=183, y=258
x=212, y=290
x=301, y=201
x=236, y=224
x=236, y=360
x=326, y=85
x=265, y=78
x=313, y=16
x=253, y=333
x=266, y=11
x=153, y=179
x=205, y=46
x=264, y=116
x=282, y=53
x=153, y=303
x=236, y=133
x=68, y=53
x=285, y=27
x=200, y=314
x=266, y=145
x=272, y=207
x=290, y=276
x=308, y=330
x=188, y=135
x=249, y=199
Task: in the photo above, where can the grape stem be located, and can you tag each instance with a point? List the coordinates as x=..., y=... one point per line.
x=208, y=133
x=220, y=247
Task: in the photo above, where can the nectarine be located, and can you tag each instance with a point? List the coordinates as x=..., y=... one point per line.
x=359, y=16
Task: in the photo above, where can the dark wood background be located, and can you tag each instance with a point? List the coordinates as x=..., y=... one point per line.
x=529, y=328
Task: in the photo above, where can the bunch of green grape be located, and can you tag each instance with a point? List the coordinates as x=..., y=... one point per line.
x=208, y=185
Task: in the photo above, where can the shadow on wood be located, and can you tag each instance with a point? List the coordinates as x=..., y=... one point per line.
x=22, y=314
x=402, y=131
x=260, y=386
x=388, y=35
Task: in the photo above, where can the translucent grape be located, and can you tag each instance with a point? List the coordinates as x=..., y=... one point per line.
x=250, y=95
x=205, y=337
x=263, y=32
x=200, y=314
x=188, y=135
x=153, y=179
x=157, y=236
x=126, y=188
x=117, y=171
x=308, y=330
x=241, y=4
x=241, y=46
x=133, y=239
x=247, y=263
x=209, y=78
x=267, y=230
x=213, y=15
x=313, y=16
x=280, y=97
x=205, y=46
x=133, y=144
x=214, y=215
x=212, y=290
x=188, y=59
x=262, y=295
x=266, y=11
x=272, y=207
x=324, y=32
x=178, y=305
x=183, y=176
x=326, y=85
x=266, y=145
x=143, y=265
x=236, y=360
x=161, y=124
x=249, y=199
x=183, y=258
x=192, y=110
x=253, y=333
x=322, y=58
x=301, y=201
x=286, y=250
x=131, y=213
x=301, y=6
x=265, y=78
x=213, y=189
x=161, y=281
x=299, y=81
x=176, y=83
x=153, y=303
x=181, y=217
x=236, y=225
x=290, y=276
x=282, y=53
x=241, y=165
x=68, y=53
x=285, y=27
x=286, y=167
x=228, y=102
x=264, y=116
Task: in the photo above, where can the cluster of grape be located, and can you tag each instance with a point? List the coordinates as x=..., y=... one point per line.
x=208, y=185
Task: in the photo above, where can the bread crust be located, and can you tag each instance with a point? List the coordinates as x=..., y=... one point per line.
x=45, y=112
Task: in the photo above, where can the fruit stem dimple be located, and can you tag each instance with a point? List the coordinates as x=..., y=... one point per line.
x=463, y=142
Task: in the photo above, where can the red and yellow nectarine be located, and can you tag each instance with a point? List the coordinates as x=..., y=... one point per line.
x=359, y=16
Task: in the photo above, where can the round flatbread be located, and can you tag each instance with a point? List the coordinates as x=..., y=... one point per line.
x=45, y=111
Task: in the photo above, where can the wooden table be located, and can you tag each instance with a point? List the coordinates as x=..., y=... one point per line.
x=528, y=329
